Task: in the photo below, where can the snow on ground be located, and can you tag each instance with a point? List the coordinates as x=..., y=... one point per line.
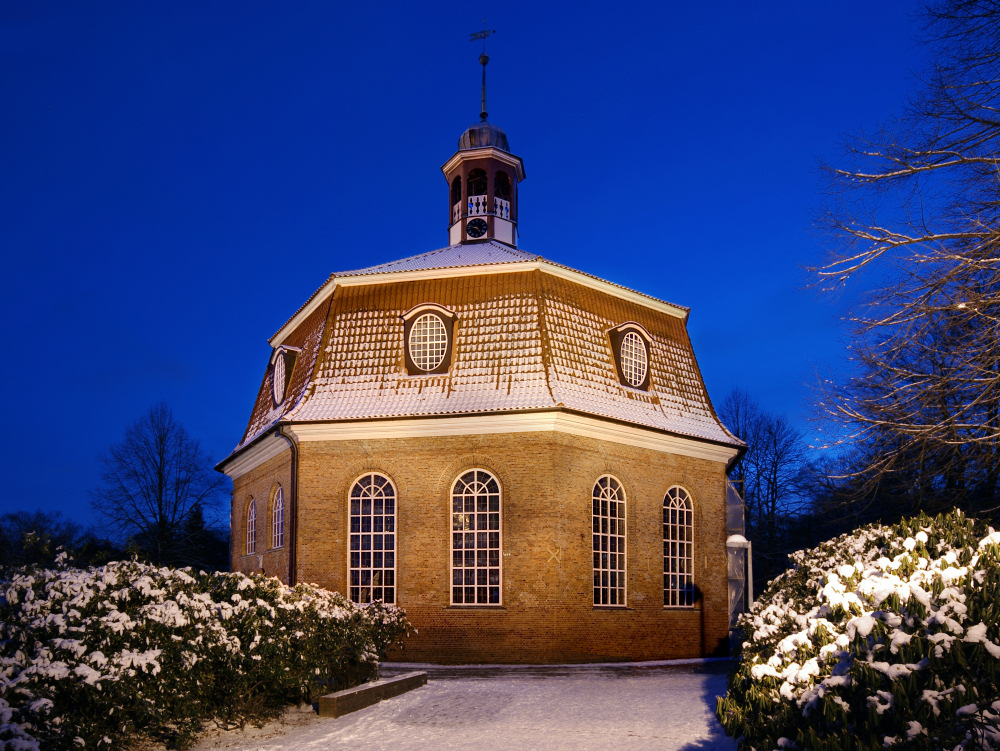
x=668, y=707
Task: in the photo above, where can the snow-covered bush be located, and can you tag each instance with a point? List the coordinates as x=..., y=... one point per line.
x=885, y=638
x=103, y=657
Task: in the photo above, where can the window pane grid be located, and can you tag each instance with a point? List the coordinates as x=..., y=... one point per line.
x=373, y=540
x=278, y=378
x=475, y=539
x=633, y=359
x=252, y=528
x=428, y=341
x=609, y=542
x=278, y=519
x=678, y=549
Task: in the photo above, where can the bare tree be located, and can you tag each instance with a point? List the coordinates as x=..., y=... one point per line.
x=919, y=202
x=768, y=473
x=156, y=487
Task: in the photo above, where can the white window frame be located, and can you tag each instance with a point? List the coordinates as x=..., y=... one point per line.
x=455, y=517
x=609, y=489
x=278, y=518
x=678, y=563
x=251, y=528
x=375, y=519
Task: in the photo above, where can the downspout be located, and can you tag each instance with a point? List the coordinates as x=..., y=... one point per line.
x=293, y=517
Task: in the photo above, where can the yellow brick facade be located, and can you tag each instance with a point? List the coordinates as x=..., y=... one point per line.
x=259, y=485
x=547, y=613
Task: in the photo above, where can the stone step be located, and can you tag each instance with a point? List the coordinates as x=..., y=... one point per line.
x=352, y=699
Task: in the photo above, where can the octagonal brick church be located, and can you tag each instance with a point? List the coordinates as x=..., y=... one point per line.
x=521, y=455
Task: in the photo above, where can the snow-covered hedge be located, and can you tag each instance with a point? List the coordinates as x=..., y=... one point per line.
x=104, y=657
x=885, y=638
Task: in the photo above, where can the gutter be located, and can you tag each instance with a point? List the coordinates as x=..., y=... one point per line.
x=293, y=516
x=739, y=455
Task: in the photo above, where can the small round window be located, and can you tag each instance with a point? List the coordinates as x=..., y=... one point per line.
x=428, y=342
x=278, y=378
x=633, y=359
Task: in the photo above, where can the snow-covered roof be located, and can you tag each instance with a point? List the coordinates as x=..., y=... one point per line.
x=462, y=258
x=525, y=339
x=454, y=256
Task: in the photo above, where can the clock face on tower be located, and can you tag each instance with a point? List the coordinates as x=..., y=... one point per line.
x=476, y=228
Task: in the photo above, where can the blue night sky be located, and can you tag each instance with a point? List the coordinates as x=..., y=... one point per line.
x=176, y=178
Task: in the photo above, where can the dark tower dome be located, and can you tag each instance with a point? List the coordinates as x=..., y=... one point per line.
x=481, y=135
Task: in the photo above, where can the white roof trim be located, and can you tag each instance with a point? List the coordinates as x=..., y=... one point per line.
x=270, y=447
x=282, y=349
x=321, y=296
x=634, y=326
x=461, y=271
x=525, y=422
x=484, y=152
x=428, y=306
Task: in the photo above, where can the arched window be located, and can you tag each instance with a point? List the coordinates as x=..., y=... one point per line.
x=456, y=190
x=678, y=549
x=278, y=519
x=252, y=527
x=609, y=542
x=475, y=539
x=501, y=186
x=477, y=182
x=373, y=539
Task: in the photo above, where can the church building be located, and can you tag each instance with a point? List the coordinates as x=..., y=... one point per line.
x=521, y=455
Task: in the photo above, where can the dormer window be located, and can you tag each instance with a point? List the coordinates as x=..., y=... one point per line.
x=630, y=344
x=428, y=335
x=282, y=364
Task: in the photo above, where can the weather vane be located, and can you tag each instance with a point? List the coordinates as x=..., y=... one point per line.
x=483, y=58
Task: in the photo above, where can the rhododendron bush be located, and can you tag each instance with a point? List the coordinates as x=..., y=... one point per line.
x=885, y=638
x=104, y=657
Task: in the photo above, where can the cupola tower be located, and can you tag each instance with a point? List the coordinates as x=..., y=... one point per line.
x=482, y=183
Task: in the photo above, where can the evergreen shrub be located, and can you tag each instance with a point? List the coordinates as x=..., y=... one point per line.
x=107, y=657
x=888, y=637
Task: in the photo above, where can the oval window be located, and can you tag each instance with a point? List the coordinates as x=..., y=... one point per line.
x=633, y=359
x=278, y=378
x=428, y=342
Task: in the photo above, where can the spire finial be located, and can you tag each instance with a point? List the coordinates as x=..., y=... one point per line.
x=483, y=58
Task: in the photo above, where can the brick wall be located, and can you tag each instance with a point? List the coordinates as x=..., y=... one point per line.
x=547, y=478
x=260, y=484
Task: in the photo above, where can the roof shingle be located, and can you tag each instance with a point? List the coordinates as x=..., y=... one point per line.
x=524, y=340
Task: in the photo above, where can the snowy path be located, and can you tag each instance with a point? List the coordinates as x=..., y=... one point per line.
x=638, y=707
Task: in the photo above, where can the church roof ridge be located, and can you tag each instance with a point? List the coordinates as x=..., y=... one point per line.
x=487, y=253
x=464, y=255
x=452, y=256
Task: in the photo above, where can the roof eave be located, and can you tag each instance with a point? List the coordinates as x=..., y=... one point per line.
x=485, y=152
x=736, y=445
